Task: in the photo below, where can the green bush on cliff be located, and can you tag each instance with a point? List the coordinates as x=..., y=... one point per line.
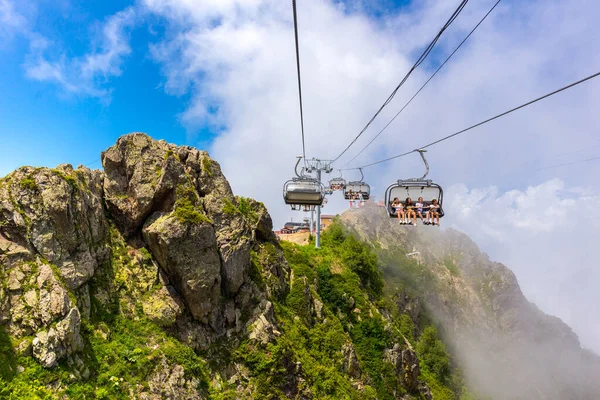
x=8, y=365
x=28, y=183
x=433, y=354
x=186, y=207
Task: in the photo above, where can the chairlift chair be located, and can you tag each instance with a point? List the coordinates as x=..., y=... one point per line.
x=415, y=188
x=303, y=191
x=356, y=187
x=337, y=183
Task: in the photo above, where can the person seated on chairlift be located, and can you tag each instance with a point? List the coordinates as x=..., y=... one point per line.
x=398, y=207
x=350, y=196
x=419, y=209
x=433, y=213
x=410, y=211
x=359, y=197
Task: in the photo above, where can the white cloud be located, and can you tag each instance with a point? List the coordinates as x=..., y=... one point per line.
x=87, y=74
x=8, y=15
x=547, y=235
x=11, y=22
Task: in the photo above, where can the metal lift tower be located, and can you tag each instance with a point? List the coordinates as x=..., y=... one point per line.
x=318, y=166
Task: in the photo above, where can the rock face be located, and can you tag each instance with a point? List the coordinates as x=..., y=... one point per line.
x=180, y=240
x=52, y=239
x=59, y=341
x=407, y=366
x=350, y=363
x=57, y=214
x=189, y=255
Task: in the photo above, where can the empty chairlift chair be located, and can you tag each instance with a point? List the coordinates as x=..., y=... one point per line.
x=415, y=188
x=303, y=191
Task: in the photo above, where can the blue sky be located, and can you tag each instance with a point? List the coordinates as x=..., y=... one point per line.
x=43, y=125
x=220, y=75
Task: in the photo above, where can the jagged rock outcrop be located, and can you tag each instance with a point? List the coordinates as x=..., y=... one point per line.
x=407, y=366
x=350, y=364
x=188, y=253
x=59, y=341
x=52, y=239
x=181, y=248
x=169, y=382
x=57, y=214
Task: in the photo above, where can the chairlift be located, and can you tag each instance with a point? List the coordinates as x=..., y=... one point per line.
x=338, y=183
x=357, y=187
x=303, y=190
x=415, y=188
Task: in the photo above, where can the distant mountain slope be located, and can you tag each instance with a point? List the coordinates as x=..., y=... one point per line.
x=509, y=348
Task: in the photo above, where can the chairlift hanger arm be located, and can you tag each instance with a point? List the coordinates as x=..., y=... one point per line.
x=296, y=167
x=421, y=152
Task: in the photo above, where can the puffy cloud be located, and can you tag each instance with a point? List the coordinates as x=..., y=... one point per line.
x=11, y=21
x=547, y=235
x=87, y=74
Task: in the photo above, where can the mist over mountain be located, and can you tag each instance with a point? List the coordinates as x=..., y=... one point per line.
x=150, y=279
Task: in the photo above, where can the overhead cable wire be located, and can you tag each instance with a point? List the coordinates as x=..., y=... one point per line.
x=568, y=163
x=299, y=80
x=420, y=60
x=425, y=84
x=480, y=123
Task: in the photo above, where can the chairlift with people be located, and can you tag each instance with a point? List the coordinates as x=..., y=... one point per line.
x=356, y=189
x=338, y=183
x=415, y=188
x=303, y=190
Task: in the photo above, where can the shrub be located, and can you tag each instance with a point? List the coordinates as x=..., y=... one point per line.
x=206, y=166
x=186, y=208
x=433, y=354
x=28, y=183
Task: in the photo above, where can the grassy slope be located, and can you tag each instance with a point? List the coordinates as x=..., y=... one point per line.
x=344, y=275
x=122, y=347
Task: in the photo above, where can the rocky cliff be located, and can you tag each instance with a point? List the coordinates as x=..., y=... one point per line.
x=509, y=348
x=157, y=235
x=151, y=280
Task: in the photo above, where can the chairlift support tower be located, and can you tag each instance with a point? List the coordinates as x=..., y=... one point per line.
x=316, y=165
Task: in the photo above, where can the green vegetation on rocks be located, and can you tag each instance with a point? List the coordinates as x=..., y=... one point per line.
x=244, y=208
x=28, y=183
x=186, y=207
x=206, y=166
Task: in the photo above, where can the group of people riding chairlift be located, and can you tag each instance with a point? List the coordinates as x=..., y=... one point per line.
x=429, y=212
x=355, y=196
